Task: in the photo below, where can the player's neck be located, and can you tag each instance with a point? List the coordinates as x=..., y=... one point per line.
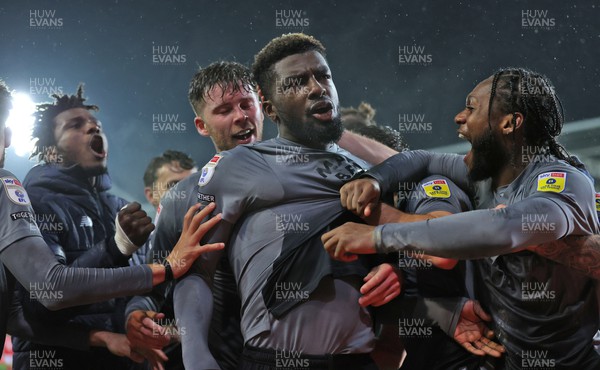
x=313, y=145
x=507, y=174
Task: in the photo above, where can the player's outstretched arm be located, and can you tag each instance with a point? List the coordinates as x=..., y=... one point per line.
x=35, y=267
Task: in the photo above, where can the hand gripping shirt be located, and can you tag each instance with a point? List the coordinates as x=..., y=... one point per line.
x=277, y=198
x=545, y=313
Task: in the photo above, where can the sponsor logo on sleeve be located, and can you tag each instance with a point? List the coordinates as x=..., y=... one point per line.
x=553, y=182
x=598, y=202
x=15, y=191
x=208, y=170
x=23, y=215
x=437, y=189
x=205, y=198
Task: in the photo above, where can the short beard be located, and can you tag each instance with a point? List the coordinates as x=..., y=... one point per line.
x=317, y=136
x=488, y=157
x=2, y=160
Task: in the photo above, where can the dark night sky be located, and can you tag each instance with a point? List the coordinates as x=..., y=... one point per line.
x=109, y=46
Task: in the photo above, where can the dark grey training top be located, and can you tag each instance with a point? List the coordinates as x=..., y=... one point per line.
x=277, y=198
x=27, y=258
x=545, y=313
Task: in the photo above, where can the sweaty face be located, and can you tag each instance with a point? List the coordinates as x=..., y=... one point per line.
x=231, y=118
x=167, y=176
x=80, y=140
x=305, y=101
x=487, y=155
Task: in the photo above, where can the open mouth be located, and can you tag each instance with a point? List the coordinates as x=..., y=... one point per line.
x=244, y=135
x=97, y=146
x=322, y=110
x=469, y=155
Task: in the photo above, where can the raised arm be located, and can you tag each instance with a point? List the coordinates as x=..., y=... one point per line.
x=80, y=286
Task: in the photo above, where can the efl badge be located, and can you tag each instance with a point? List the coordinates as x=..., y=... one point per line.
x=208, y=170
x=15, y=191
x=552, y=182
x=437, y=189
x=598, y=202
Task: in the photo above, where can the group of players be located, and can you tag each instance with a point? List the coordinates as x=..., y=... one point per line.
x=279, y=280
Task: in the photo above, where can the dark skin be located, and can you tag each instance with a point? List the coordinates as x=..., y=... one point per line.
x=135, y=223
x=361, y=196
x=472, y=332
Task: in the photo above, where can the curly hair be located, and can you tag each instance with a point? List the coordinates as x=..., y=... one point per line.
x=184, y=160
x=276, y=50
x=533, y=95
x=223, y=74
x=43, y=126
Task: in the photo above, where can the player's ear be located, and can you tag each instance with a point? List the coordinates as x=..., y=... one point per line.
x=201, y=126
x=511, y=122
x=270, y=110
x=148, y=194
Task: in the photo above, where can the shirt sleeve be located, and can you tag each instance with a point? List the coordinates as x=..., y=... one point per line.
x=542, y=216
x=74, y=286
x=436, y=193
x=411, y=167
x=15, y=211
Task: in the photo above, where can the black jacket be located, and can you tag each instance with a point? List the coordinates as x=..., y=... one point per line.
x=76, y=220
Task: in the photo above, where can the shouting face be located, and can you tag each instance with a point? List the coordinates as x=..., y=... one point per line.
x=304, y=101
x=80, y=140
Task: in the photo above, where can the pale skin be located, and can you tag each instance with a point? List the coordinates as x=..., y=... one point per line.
x=167, y=176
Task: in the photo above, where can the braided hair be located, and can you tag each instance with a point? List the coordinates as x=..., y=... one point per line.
x=43, y=126
x=533, y=95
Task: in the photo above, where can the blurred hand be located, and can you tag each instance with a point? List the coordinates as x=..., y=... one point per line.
x=382, y=284
x=345, y=242
x=143, y=331
x=472, y=332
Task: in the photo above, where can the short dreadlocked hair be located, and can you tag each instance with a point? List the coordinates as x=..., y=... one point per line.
x=533, y=95
x=43, y=126
x=226, y=75
x=184, y=160
x=353, y=118
x=277, y=49
x=5, y=103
